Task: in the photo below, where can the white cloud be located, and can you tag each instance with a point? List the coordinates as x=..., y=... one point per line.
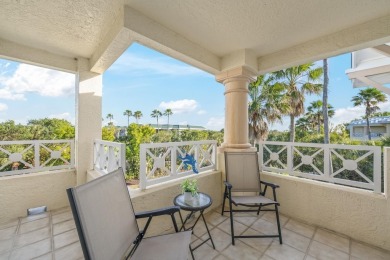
x=32, y=79
x=65, y=116
x=180, y=106
x=201, y=112
x=131, y=63
x=3, y=107
x=183, y=123
x=346, y=115
x=216, y=123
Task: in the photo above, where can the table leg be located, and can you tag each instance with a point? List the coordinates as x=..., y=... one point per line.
x=205, y=223
x=183, y=223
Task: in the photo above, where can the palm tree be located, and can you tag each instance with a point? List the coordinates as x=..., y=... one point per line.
x=267, y=105
x=128, y=113
x=303, y=124
x=168, y=112
x=370, y=98
x=315, y=113
x=110, y=117
x=299, y=81
x=325, y=102
x=156, y=114
x=137, y=114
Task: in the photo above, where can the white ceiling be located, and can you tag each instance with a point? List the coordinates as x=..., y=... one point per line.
x=65, y=27
x=216, y=29
x=265, y=26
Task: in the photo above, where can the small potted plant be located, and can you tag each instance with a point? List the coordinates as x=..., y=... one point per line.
x=189, y=189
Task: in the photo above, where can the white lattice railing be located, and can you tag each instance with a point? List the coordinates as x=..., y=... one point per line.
x=108, y=156
x=352, y=165
x=166, y=161
x=19, y=157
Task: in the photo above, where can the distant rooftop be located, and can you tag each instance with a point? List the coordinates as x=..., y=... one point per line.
x=175, y=127
x=373, y=120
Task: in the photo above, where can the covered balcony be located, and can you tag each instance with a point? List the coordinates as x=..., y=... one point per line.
x=323, y=216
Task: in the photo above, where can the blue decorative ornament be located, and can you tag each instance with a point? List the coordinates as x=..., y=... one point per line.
x=189, y=160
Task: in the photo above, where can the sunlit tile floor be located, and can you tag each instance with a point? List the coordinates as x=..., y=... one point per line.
x=53, y=236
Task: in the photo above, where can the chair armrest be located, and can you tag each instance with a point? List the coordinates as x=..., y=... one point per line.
x=273, y=186
x=227, y=184
x=157, y=212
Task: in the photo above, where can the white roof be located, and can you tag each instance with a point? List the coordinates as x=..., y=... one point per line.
x=373, y=120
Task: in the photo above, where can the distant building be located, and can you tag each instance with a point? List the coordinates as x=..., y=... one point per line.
x=380, y=127
x=121, y=131
x=177, y=127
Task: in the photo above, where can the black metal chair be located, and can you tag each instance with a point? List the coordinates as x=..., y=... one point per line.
x=107, y=226
x=243, y=176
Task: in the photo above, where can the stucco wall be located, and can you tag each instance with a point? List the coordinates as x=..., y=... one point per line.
x=357, y=213
x=378, y=129
x=162, y=196
x=20, y=192
x=358, y=129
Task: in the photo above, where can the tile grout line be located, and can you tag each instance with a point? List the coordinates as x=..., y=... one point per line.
x=311, y=241
x=350, y=248
x=273, y=240
x=52, y=235
x=14, y=238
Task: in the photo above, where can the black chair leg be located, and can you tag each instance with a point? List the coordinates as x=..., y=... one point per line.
x=231, y=221
x=258, y=212
x=278, y=222
x=174, y=223
x=223, y=203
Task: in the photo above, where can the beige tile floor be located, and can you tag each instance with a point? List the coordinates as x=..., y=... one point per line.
x=53, y=236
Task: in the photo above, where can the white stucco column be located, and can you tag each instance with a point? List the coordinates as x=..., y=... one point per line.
x=88, y=117
x=236, y=83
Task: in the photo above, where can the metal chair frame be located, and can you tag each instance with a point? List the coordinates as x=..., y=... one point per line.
x=146, y=214
x=228, y=195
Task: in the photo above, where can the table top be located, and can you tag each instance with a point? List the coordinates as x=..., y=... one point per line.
x=199, y=202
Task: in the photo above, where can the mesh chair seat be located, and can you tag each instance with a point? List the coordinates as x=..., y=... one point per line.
x=174, y=246
x=244, y=200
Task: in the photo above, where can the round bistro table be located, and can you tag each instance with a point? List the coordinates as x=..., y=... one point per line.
x=198, y=203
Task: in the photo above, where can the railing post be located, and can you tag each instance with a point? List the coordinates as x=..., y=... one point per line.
x=111, y=159
x=173, y=160
x=260, y=153
x=101, y=157
x=290, y=161
x=214, y=155
x=72, y=153
x=123, y=157
x=327, y=163
x=36, y=154
x=196, y=154
x=377, y=169
x=142, y=168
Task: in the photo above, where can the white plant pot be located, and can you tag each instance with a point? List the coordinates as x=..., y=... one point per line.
x=188, y=197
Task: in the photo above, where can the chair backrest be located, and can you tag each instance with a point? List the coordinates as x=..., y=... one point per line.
x=104, y=216
x=242, y=171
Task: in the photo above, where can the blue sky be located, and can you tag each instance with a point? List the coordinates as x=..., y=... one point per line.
x=143, y=79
